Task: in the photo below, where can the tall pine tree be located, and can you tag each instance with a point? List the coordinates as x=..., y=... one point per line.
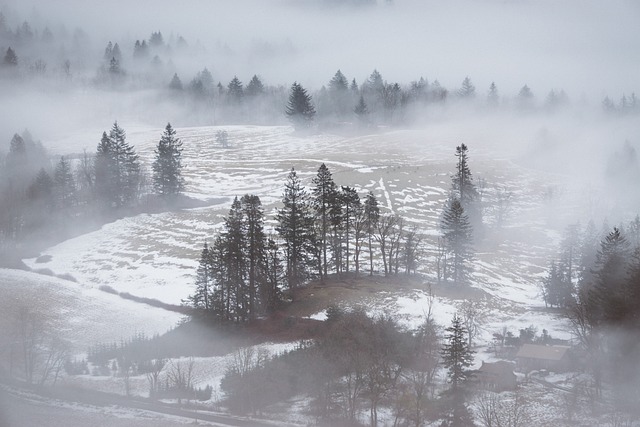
x=300, y=109
x=295, y=226
x=457, y=233
x=325, y=196
x=167, y=166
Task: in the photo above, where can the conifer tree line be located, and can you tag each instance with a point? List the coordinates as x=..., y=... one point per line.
x=40, y=194
x=155, y=62
x=246, y=270
x=595, y=282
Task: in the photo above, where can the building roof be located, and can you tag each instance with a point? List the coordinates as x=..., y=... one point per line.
x=542, y=352
x=501, y=367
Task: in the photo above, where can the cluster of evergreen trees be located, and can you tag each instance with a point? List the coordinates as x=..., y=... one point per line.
x=39, y=198
x=596, y=282
x=319, y=232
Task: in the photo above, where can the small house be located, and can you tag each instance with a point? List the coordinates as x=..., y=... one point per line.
x=497, y=376
x=532, y=357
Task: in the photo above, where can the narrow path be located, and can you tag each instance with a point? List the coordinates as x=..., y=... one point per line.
x=16, y=404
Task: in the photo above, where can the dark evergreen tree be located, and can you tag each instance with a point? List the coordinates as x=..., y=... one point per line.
x=607, y=298
x=271, y=294
x=42, y=188
x=558, y=291
x=167, y=166
x=493, y=97
x=117, y=169
x=235, y=239
x=128, y=165
x=141, y=50
x=176, y=83
x=351, y=204
x=106, y=172
x=339, y=94
x=235, y=91
x=372, y=216
x=457, y=233
x=156, y=40
x=362, y=112
x=255, y=87
x=300, y=109
x=206, y=78
x=354, y=87
x=464, y=189
x=10, y=58
x=468, y=90
x=456, y=354
x=108, y=52
x=374, y=83
x=524, y=99
x=256, y=253
x=462, y=180
x=457, y=357
x=325, y=196
x=65, y=187
x=202, y=298
x=295, y=226
x=114, y=67
x=116, y=53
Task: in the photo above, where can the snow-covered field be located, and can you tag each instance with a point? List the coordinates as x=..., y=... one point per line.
x=155, y=255
x=84, y=315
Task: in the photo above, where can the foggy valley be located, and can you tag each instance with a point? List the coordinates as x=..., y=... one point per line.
x=319, y=212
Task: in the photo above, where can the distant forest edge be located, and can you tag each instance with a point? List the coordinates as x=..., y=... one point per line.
x=41, y=57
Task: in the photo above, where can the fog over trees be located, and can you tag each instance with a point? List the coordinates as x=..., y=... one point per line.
x=320, y=212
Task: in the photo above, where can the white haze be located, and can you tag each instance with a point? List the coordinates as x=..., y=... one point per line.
x=581, y=46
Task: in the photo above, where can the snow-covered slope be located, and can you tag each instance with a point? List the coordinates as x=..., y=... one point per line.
x=155, y=255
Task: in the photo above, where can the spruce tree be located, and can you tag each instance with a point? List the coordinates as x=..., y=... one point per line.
x=351, y=202
x=128, y=166
x=462, y=180
x=235, y=239
x=235, y=90
x=464, y=189
x=201, y=299
x=175, y=83
x=64, y=184
x=300, y=109
x=457, y=233
x=607, y=298
x=339, y=93
x=167, y=166
x=468, y=90
x=10, y=58
x=255, y=242
x=106, y=173
x=361, y=111
x=255, y=87
x=372, y=216
x=325, y=196
x=457, y=357
x=295, y=226
x=117, y=169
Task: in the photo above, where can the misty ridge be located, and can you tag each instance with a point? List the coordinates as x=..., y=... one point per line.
x=321, y=212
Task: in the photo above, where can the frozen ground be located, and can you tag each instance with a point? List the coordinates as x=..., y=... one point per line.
x=85, y=315
x=155, y=255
